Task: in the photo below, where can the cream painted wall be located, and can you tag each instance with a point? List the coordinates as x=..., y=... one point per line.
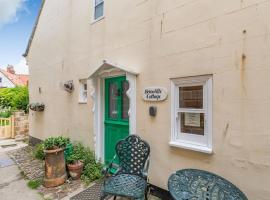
x=164, y=39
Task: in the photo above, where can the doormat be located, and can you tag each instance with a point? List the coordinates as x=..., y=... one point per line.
x=6, y=162
x=91, y=193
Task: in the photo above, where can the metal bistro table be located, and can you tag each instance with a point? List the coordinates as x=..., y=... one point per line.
x=194, y=184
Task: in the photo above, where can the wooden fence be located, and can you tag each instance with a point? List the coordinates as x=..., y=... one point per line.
x=6, y=128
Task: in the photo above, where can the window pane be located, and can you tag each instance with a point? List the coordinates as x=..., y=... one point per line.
x=191, y=97
x=125, y=100
x=113, y=96
x=192, y=123
x=98, y=2
x=99, y=11
x=85, y=86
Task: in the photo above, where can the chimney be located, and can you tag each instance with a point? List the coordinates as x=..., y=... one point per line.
x=10, y=69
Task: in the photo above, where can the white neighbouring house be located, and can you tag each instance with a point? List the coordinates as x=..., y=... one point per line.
x=9, y=79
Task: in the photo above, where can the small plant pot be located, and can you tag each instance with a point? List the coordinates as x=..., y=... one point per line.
x=55, y=168
x=75, y=170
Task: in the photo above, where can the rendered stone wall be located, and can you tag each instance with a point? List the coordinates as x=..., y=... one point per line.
x=163, y=39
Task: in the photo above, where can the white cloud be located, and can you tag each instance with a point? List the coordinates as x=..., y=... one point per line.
x=21, y=67
x=9, y=10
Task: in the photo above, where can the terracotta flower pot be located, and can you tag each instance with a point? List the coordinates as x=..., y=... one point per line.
x=55, y=168
x=75, y=170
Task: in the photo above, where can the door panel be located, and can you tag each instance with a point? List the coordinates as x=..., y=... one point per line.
x=116, y=114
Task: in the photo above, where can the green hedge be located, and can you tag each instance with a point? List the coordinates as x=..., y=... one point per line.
x=15, y=98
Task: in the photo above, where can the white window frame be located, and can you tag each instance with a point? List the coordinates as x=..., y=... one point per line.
x=94, y=11
x=201, y=143
x=83, y=94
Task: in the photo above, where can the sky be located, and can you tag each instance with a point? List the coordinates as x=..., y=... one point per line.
x=17, y=18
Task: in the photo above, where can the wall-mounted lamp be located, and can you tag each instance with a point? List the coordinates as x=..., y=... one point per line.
x=152, y=111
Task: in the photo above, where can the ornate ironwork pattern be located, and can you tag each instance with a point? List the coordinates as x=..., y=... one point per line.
x=193, y=184
x=129, y=182
x=132, y=153
x=126, y=185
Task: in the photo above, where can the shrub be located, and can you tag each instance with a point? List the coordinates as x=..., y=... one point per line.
x=56, y=142
x=92, y=168
x=39, y=151
x=34, y=184
x=91, y=172
x=16, y=98
x=5, y=112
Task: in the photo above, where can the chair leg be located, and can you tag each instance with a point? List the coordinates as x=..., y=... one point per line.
x=146, y=192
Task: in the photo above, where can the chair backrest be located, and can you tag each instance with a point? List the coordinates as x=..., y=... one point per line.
x=132, y=153
x=202, y=185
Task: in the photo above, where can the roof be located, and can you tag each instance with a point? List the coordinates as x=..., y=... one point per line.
x=107, y=67
x=16, y=79
x=33, y=31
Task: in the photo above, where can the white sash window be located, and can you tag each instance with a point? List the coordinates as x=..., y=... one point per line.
x=191, y=110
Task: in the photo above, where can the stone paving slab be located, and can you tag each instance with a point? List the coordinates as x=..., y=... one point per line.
x=6, y=162
x=13, y=185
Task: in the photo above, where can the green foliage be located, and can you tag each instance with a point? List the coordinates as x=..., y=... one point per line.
x=91, y=172
x=34, y=184
x=16, y=98
x=39, y=151
x=92, y=168
x=5, y=112
x=56, y=142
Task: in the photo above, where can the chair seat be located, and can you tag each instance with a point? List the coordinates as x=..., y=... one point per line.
x=125, y=185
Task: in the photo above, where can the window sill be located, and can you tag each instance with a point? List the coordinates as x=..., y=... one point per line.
x=97, y=20
x=192, y=147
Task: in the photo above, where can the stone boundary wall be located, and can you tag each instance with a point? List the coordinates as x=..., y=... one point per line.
x=21, y=123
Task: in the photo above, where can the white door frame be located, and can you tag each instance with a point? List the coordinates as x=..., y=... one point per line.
x=99, y=105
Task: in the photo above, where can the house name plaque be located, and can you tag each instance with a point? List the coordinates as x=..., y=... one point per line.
x=155, y=94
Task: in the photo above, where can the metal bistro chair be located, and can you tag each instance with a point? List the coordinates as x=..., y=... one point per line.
x=193, y=184
x=130, y=180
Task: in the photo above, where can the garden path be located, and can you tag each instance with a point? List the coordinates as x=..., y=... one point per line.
x=12, y=183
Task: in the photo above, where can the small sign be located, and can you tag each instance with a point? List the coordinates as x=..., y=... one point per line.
x=155, y=94
x=193, y=119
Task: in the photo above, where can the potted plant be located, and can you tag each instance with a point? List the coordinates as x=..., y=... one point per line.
x=74, y=165
x=37, y=107
x=55, y=167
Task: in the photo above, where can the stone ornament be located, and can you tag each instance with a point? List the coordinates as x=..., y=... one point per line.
x=69, y=86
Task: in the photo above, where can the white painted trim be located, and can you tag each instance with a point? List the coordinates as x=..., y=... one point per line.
x=187, y=141
x=131, y=93
x=98, y=97
x=93, y=21
x=188, y=146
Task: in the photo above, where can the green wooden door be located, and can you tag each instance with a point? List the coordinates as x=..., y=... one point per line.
x=116, y=114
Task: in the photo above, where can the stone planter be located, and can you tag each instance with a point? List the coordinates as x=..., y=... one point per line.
x=75, y=170
x=55, y=168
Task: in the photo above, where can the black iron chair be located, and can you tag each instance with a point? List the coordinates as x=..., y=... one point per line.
x=130, y=180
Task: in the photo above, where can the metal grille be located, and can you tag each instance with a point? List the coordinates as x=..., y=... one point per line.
x=91, y=193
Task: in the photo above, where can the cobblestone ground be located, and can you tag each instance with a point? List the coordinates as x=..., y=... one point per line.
x=34, y=169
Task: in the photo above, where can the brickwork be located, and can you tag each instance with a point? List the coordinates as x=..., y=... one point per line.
x=21, y=123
